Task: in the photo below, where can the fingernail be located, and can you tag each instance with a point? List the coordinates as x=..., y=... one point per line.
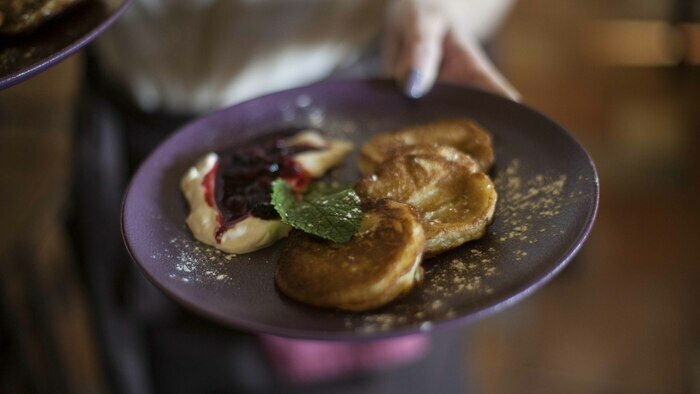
x=412, y=85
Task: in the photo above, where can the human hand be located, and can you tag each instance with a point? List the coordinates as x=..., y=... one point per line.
x=423, y=45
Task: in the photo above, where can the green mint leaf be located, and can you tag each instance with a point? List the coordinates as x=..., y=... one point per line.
x=327, y=211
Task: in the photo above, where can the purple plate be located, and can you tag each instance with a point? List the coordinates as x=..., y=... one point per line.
x=548, y=195
x=21, y=57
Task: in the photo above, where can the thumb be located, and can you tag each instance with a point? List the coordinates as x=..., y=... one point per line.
x=421, y=52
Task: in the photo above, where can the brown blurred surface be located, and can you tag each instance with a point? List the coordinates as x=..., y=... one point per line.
x=623, y=317
x=50, y=346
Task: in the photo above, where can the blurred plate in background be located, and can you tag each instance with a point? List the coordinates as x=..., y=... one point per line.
x=25, y=55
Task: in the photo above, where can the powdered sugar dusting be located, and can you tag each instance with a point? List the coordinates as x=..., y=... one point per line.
x=524, y=200
x=193, y=261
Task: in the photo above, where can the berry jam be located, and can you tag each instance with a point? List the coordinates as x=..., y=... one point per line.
x=239, y=184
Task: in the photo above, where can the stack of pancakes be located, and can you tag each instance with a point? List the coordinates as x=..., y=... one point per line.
x=425, y=191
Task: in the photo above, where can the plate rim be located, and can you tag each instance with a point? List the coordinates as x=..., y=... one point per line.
x=511, y=298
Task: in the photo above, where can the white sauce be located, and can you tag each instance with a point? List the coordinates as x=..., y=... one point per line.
x=252, y=233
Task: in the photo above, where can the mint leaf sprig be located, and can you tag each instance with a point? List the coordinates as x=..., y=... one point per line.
x=324, y=210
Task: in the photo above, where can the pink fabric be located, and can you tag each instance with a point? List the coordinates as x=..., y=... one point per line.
x=305, y=361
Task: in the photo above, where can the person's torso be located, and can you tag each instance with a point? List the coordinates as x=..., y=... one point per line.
x=197, y=55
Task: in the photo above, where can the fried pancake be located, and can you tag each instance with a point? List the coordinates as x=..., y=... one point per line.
x=446, y=152
x=380, y=263
x=455, y=203
x=461, y=134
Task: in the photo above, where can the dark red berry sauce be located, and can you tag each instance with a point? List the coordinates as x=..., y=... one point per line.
x=239, y=184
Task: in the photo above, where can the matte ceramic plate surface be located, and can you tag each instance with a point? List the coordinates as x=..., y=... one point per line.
x=548, y=195
x=26, y=55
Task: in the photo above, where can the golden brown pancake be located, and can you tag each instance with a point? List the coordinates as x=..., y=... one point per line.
x=446, y=152
x=455, y=203
x=380, y=263
x=461, y=134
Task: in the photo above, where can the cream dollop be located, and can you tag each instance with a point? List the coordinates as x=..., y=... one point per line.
x=253, y=233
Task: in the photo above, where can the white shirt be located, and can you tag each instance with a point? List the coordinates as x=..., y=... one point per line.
x=199, y=55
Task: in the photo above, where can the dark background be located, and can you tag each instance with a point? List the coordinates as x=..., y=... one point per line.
x=623, y=76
